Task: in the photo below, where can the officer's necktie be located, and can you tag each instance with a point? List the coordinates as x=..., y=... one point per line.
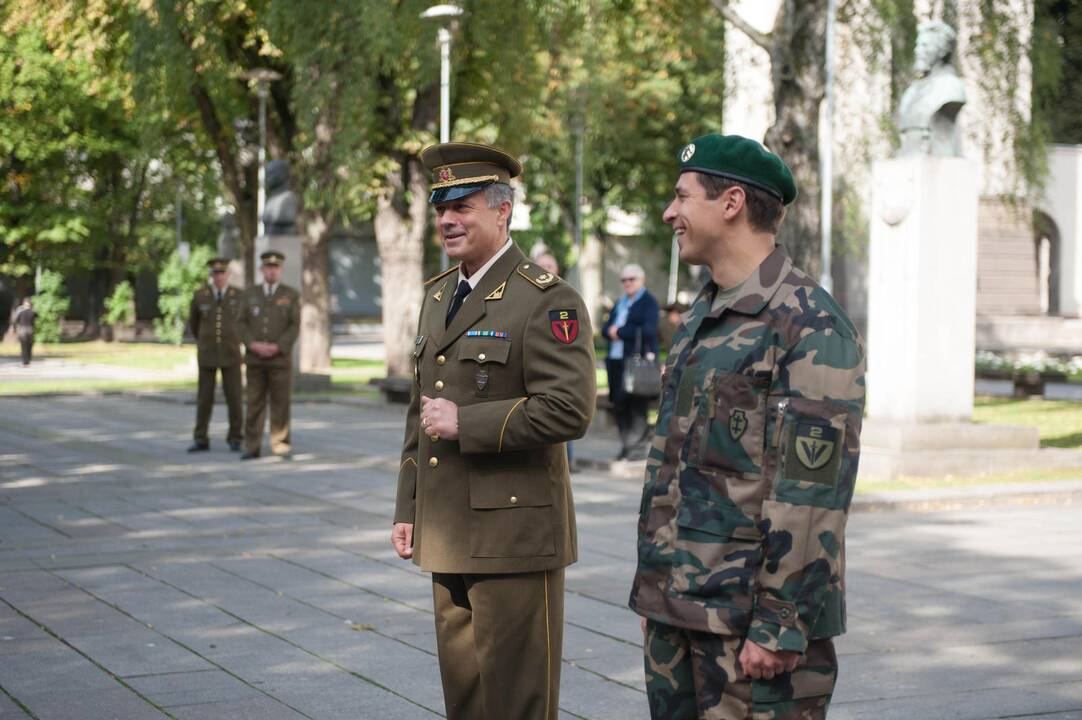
x=461, y=292
x=219, y=296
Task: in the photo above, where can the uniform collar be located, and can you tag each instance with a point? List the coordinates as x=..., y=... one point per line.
x=759, y=287
x=755, y=294
x=475, y=279
x=273, y=288
x=489, y=288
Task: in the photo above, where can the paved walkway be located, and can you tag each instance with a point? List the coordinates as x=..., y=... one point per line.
x=139, y=582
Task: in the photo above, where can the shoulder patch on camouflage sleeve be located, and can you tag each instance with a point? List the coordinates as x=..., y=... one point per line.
x=445, y=273
x=537, y=275
x=814, y=452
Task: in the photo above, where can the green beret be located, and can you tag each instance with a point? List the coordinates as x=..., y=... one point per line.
x=272, y=257
x=740, y=159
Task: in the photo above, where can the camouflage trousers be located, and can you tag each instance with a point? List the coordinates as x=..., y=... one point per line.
x=693, y=675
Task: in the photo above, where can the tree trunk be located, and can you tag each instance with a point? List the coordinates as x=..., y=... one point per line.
x=401, y=218
x=797, y=56
x=591, y=272
x=315, y=353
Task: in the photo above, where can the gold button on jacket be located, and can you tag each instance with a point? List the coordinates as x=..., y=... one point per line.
x=518, y=361
x=215, y=327
x=276, y=319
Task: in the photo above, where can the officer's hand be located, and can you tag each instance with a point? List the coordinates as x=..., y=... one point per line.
x=402, y=539
x=613, y=332
x=762, y=664
x=439, y=417
x=271, y=348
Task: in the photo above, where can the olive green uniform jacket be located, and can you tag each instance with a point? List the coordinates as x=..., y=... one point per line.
x=214, y=326
x=276, y=319
x=518, y=361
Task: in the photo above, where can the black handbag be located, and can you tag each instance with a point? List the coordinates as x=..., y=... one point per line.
x=642, y=375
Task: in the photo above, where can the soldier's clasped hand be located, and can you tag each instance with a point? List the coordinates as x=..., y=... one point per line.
x=439, y=417
x=762, y=664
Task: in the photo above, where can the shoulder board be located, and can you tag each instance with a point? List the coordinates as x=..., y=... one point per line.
x=537, y=275
x=445, y=273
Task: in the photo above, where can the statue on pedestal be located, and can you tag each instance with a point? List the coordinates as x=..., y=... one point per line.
x=927, y=116
x=280, y=212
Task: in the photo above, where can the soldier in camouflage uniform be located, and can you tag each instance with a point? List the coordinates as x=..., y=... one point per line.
x=741, y=529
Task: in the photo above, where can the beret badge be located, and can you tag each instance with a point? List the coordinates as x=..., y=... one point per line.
x=687, y=152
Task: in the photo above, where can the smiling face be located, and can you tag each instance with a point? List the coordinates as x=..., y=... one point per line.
x=470, y=230
x=697, y=221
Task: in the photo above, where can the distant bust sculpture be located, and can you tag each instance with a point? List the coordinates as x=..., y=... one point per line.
x=280, y=212
x=928, y=113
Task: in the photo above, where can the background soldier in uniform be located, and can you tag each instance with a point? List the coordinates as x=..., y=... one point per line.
x=750, y=475
x=504, y=371
x=269, y=323
x=213, y=320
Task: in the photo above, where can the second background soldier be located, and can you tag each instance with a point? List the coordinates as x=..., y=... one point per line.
x=270, y=323
x=213, y=320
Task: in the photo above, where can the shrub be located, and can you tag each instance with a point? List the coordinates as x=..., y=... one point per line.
x=50, y=305
x=120, y=306
x=176, y=284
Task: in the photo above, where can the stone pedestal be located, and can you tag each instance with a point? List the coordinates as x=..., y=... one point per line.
x=922, y=290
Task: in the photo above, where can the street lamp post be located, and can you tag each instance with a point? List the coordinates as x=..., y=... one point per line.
x=260, y=79
x=444, y=14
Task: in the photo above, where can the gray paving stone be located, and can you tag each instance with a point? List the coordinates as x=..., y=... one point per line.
x=964, y=614
x=111, y=704
x=192, y=688
x=260, y=708
x=9, y=710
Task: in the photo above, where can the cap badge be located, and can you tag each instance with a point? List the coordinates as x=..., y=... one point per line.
x=687, y=152
x=444, y=174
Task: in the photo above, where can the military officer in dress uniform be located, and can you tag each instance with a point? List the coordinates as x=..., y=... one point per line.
x=213, y=320
x=742, y=524
x=270, y=323
x=504, y=376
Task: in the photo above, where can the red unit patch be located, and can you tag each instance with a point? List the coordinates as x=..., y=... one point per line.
x=565, y=325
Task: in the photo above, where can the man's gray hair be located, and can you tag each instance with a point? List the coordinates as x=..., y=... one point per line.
x=633, y=270
x=498, y=193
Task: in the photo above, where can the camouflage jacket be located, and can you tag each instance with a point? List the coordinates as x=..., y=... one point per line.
x=752, y=467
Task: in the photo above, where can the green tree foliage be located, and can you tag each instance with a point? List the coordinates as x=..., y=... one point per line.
x=1057, y=69
x=637, y=80
x=87, y=179
x=177, y=283
x=120, y=306
x=51, y=305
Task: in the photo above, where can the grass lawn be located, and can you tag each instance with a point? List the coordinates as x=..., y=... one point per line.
x=951, y=481
x=1059, y=421
x=146, y=356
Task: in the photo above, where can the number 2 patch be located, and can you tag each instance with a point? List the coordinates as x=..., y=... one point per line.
x=564, y=325
x=813, y=453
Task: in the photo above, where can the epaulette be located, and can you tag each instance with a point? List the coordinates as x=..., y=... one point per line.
x=537, y=275
x=445, y=273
